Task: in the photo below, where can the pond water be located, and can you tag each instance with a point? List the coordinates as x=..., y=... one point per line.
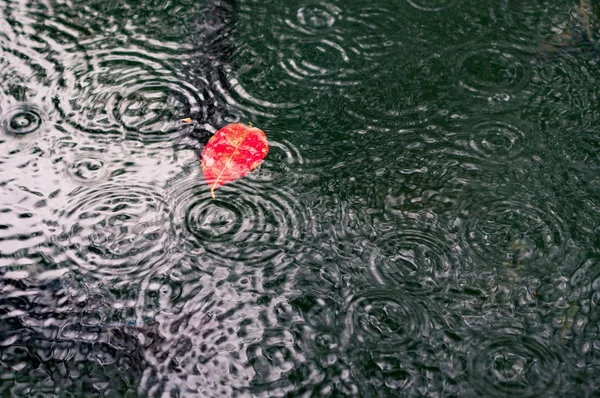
x=426, y=223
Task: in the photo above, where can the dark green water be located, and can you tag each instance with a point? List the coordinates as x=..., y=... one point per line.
x=426, y=224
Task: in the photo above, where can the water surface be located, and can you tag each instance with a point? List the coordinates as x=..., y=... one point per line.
x=425, y=223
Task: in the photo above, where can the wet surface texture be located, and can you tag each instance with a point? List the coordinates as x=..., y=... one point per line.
x=425, y=222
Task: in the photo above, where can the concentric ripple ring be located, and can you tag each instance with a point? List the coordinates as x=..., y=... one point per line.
x=498, y=71
x=22, y=120
x=515, y=232
x=385, y=318
x=432, y=5
x=113, y=230
x=247, y=221
x=412, y=256
x=512, y=365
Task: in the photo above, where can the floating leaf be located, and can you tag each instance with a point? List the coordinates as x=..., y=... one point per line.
x=231, y=153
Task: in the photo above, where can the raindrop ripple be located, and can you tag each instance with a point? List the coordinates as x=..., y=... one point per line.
x=498, y=71
x=415, y=254
x=115, y=230
x=247, y=221
x=432, y=5
x=134, y=95
x=386, y=318
x=515, y=232
x=511, y=364
x=22, y=120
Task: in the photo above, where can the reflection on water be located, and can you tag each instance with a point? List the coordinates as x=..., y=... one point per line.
x=425, y=223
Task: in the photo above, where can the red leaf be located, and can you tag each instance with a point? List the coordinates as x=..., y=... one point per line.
x=231, y=153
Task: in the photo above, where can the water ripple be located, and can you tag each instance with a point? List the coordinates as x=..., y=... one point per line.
x=321, y=63
x=390, y=107
x=498, y=140
x=207, y=341
x=21, y=226
x=432, y=5
x=486, y=143
x=414, y=253
x=136, y=96
x=314, y=18
x=248, y=221
x=21, y=67
x=232, y=89
x=318, y=50
x=88, y=169
x=33, y=59
x=385, y=318
x=27, y=186
x=91, y=161
x=114, y=230
x=497, y=71
x=515, y=232
x=285, y=166
x=60, y=334
x=119, y=275
x=157, y=26
x=565, y=91
x=511, y=364
x=582, y=148
x=385, y=373
x=22, y=120
x=124, y=79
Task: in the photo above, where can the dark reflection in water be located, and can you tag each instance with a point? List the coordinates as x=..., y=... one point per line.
x=425, y=224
